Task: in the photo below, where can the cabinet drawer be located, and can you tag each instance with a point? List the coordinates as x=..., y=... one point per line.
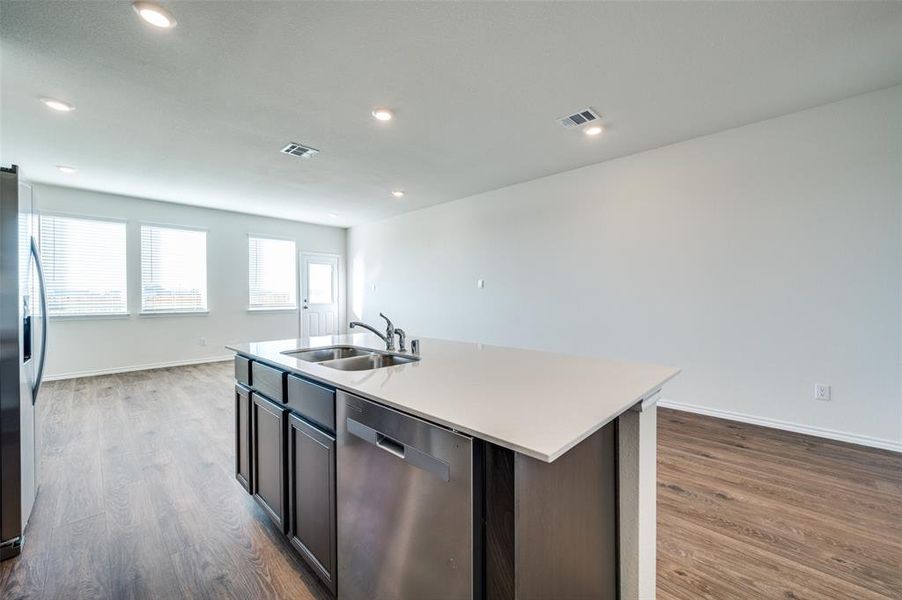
x=243, y=370
x=312, y=401
x=268, y=381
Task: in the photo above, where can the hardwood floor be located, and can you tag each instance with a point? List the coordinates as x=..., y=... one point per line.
x=138, y=500
x=751, y=512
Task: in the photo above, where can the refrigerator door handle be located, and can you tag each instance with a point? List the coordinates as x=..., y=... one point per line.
x=39, y=376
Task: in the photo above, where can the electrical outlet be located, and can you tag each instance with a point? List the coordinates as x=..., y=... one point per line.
x=821, y=391
x=203, y=341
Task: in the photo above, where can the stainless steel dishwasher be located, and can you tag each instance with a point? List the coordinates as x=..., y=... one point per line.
x=406, y=525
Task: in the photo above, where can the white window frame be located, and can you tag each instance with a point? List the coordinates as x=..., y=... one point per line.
x=176, y=312
x=268, y=309
x=89, y=217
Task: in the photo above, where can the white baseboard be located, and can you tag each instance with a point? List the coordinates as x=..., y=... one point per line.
x=144, y=367
x=831, y=434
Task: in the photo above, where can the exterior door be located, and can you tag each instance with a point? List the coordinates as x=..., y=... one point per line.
x=319, y=294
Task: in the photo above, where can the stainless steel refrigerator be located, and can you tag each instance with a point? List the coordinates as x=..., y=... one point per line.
x=23, y=337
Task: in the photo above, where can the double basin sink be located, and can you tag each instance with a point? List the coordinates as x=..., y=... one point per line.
x=351, y=358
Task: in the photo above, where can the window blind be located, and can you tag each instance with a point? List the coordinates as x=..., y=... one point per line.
x=173, y=269
x=84, y=265
x=271, y=273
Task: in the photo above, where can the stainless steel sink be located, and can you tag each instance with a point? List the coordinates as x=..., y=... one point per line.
x=369, y=361
x=350, y=358
x=327, y=353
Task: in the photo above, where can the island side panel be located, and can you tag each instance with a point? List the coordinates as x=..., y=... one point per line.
x=499, y=523
x=565, y=533
x=637, y=443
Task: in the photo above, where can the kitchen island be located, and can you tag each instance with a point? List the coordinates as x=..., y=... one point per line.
x=558, y=456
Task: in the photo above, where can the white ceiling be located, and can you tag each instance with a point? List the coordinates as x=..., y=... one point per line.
x=198, y=114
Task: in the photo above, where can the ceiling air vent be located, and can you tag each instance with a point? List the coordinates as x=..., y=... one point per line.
x=299, y=150
x=579, y=118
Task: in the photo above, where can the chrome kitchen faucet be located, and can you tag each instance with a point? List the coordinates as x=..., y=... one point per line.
x=390, y=332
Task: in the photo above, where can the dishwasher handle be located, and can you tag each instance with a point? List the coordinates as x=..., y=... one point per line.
x=409, y=454
x=389, y=445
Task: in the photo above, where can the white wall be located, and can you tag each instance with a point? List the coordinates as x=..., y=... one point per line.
x=761, y=260
x=81, y=346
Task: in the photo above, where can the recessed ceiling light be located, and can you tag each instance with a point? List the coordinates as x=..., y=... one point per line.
x=154, y=14
x=66, y=169
x=594, y=130
x=398, y=193
x=383, y=114
x=333, y=215
x=58, y=105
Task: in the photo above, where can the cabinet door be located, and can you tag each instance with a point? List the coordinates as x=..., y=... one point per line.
x=312, y=497
x=268, y=469
x=243, y=436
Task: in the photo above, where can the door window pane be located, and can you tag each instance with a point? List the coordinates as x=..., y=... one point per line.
x=319, y=283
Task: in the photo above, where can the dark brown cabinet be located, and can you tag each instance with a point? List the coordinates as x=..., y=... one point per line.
x=311, y=484
x=268, y=381
x=243, y=370
x=269, y=423
x=243, y=436
x=285, y=457
x=314, y=402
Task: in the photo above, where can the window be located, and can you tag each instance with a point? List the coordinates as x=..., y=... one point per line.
x=173, y=269
x=84, y=265
x=271, y=273
x=319, y=283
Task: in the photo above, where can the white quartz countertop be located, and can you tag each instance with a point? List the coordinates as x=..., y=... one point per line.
x=540, y=404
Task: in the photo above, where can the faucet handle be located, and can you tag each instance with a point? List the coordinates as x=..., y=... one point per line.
x=402, y=339
x=389, y=324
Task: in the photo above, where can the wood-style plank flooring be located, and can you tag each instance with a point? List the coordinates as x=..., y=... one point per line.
x=751, y=512
x=138, y=500
x=138, y=497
